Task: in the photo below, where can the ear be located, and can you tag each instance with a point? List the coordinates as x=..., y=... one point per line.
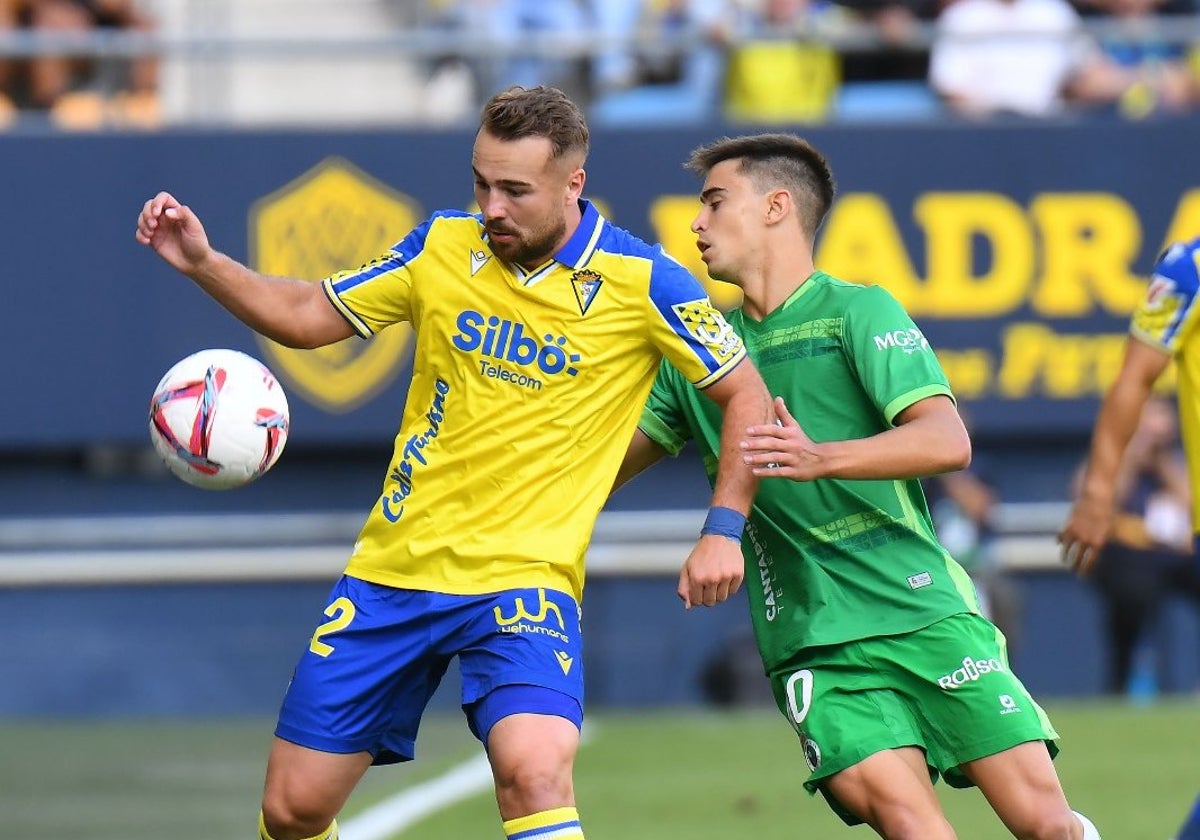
x=575, y=182
x=779, y=206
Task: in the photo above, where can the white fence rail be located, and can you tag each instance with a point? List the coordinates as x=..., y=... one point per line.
x=307, y=546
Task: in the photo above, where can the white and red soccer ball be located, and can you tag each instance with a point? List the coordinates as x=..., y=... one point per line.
x=219, y=419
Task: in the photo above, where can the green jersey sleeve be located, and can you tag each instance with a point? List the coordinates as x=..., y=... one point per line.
x=663, y=418
x=894, y=362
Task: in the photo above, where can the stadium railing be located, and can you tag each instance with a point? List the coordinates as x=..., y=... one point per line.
x=43, y=551
x=231, y=75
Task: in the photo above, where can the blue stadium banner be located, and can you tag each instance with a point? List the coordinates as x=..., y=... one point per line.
x=1019, y=249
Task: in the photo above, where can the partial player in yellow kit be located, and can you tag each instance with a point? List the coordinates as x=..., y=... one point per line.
x=539, y=329
x=530, y=381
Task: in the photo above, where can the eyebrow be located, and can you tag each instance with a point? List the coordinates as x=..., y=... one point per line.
x=710, y=192
x=503, y=182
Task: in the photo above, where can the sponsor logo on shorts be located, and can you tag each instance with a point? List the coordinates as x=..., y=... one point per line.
x=972, y=669
x=1008, y=705
x=564, y=661
x=523, y=621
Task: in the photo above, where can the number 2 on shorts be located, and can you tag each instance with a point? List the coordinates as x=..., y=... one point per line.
x=341, y=613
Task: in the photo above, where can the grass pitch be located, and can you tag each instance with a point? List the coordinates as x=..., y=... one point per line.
x=641, y=776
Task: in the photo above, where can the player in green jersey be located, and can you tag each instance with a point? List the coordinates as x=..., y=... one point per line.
x=869, y=631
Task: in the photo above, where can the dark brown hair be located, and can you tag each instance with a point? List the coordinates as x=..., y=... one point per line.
x=776, y=161
x=541, y=111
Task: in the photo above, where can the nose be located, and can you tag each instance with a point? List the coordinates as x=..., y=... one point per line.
x=698, y=222
x=492, y=206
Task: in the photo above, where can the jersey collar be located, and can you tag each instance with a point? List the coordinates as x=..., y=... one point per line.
x=801, y=291
x=584, y=241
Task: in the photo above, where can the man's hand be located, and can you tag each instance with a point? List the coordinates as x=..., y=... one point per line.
x=174, y=232
x=712, y=572
x=782, y=450
x=1085, y=533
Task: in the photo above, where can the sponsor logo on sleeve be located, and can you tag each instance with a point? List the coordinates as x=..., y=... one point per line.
x=909, y=340
x=709, y=327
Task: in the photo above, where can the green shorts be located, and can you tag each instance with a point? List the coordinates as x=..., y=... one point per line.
x=946, y=688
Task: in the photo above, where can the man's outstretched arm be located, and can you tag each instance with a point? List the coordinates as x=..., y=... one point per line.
x=293, y=312
x=1091, y=517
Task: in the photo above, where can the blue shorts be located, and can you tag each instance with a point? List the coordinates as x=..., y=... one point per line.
x=372, y=666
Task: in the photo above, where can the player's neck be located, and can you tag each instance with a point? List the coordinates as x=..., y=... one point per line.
x=773, y=281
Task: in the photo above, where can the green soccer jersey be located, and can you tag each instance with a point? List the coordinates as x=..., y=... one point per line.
x=832, y=560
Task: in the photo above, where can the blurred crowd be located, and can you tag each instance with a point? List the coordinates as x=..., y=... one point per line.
x=668, y=62
x=80, y=91
x=795, y=61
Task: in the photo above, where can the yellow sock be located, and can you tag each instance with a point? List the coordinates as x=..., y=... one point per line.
x=555, y=824
x=330, y=833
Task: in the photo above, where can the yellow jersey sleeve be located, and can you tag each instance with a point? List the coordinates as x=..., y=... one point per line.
x=687, y=328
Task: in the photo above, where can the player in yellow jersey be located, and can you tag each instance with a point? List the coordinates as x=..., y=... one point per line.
x=1163, y=328
x=539, y=329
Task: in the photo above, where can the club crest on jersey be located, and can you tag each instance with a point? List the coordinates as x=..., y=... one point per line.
x=585, y=284
x=707, y=326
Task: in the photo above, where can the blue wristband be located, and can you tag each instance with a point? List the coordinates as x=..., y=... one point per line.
x=724, y=522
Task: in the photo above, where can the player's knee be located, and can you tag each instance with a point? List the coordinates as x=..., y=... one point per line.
x=1056, y=824
x=534, y=785
x=908, y=824
x=290, y=818
x=531, y=781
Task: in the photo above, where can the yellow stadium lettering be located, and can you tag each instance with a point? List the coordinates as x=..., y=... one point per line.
x=1091, y=240
x=970, y=371
x=861, y=244
x=1185, y=225
x=341, y=613
x=671, y=216
x=1039, y=360
x=1089, y=243
x=953, y=223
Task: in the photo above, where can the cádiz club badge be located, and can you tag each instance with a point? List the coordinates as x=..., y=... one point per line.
x=585, y=284
x=331, y=218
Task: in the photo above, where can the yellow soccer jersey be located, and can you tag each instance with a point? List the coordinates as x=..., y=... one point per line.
x=1166, y=318
x=526, y=389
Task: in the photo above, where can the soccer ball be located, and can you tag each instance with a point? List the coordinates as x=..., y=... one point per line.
x=219, y=419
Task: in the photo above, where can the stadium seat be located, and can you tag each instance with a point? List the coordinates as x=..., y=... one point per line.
x=886, y=101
